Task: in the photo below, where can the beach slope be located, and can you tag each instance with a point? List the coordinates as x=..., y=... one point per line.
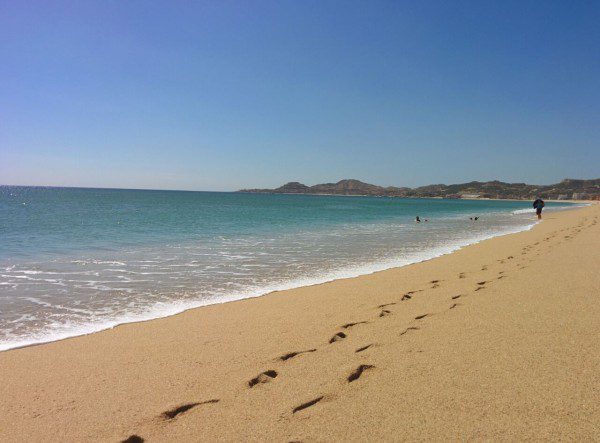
x=499, y=340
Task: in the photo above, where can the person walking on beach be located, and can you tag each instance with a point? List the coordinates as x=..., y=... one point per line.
x=538, y=204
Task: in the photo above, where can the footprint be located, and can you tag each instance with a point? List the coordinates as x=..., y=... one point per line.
x=364, y=348
x=454, y=305
x=481, y=283
x=384, y=313
x=337, y=337
x=461, y=275
x=435, y=286
x=456, y=296
x=406, y=297
x=411, y=328
x=133, y=439
x=294, y=354
x=433, y=282
x=171, y=414
x=500, y=277
x=356, y=374
x=349, y=325
x=385, y=304
x=484, y=268
x=510, y=257
x=419, y=317
x=263, y=377
x=479, y=288
x=308, y=404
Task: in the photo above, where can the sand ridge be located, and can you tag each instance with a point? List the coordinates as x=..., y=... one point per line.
x=497, y=340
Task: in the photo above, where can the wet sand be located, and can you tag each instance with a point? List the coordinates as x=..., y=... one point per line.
x=499, y=340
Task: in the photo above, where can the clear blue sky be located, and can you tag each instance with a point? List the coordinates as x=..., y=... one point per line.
x=221, y=95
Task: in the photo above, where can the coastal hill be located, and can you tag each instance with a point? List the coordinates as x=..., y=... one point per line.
x=565, y=190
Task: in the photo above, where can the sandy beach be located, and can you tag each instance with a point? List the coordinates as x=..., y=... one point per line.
x=499, y=340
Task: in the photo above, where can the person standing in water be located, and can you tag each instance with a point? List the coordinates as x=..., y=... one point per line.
x=538, y=204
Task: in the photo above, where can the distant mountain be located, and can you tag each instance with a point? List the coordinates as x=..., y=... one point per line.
x=292, y=188
x=565, y=190
x=343, y=187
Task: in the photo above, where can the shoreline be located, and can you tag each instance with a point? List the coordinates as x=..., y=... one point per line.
x=173, y=309
x=466, y=345
x=340, y=274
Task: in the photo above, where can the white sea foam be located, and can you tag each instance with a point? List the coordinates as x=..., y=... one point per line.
x=99, y=262
x=37, y=301
x=524, y=211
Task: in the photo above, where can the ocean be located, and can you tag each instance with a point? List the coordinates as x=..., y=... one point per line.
x=75, y=261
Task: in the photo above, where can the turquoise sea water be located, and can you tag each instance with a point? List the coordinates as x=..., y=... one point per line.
x=74, y=261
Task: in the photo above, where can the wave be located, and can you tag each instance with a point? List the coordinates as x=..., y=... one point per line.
x=551, y=208
x=99, y=262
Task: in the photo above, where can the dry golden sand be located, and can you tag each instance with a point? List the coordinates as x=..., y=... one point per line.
x=508, y=349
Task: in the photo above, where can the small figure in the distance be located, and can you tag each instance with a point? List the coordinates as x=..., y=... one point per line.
x=426, y=220
x=538, y=204
x=418, y=219
x=476, y=218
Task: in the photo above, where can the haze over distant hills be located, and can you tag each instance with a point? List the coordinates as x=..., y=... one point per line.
x=565, y=190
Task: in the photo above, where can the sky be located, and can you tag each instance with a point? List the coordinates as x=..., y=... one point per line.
x=223, y=95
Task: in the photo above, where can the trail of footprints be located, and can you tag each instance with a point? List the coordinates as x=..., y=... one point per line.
x=271, y=374
x=385, y=310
